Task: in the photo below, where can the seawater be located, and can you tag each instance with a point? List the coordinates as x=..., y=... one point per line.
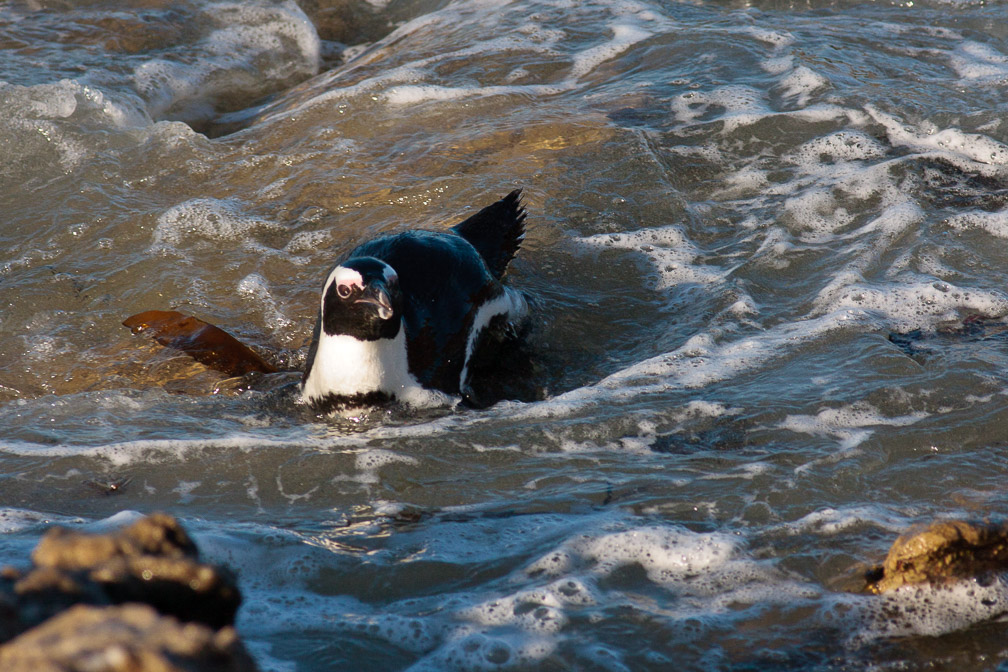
x=732, y=207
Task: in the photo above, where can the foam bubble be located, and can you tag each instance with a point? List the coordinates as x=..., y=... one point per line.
x=477, y=651
x=974, y=61
x=845, y=145
x=538, y=610
x=778, y=65
x=14, y=520
x=912, y=305
x=928, y=610
x=626, y=24
x=994, y=223
x=776, y=38
x=624, y=36
x=207, y=219
x=370, y=462
x=851, y=424
x=668, y=249
x=276, y=41
x=816, y=210
x=830, y=521
x=256, y=289
x=667, y=555
x=801, y=83
x=125, y=453
x=967, y=151
x=414, y=94
x=714, y=362
x=741, y=105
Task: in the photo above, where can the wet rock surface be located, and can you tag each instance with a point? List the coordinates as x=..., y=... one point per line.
x=125, y=638
x=135, y=599
x=942, y=552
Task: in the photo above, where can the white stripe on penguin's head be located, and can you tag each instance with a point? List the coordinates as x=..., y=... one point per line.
x=343, y=277
x=389, y=273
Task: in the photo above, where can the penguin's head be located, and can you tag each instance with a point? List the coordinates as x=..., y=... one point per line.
x=361, y=298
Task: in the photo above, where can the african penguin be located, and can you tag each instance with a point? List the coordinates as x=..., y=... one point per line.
x=401, y=315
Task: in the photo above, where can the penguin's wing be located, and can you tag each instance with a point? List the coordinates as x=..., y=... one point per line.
x=496, y=231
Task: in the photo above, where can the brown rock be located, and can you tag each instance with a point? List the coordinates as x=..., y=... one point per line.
x=180, y=587
x=152, y=561
x=157, y=534
x=942, y=552
x=161, y=534
x=128, y=638
x=64, y=549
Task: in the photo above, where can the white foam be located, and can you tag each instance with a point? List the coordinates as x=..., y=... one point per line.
x=624, y=36
x=775, y=38
x=778, y=65
x=277, y=40
x=976, y=62
x=906, y=303
x=374, y=459
x=994, y=223
x=909, y=305
x=831, y=522
x=252, y=27
x=742, y=105
x=467, y=650
x=850, y=424
x=845, y=145
x=801, y=83
x=626, y=24
x=967, y=151
x=697, y=365
x=927, y=610
x=816, y=210
x=670, y=253
x=256, y=290
x=125, y=453
x=208, y=219
x=667, y=555
x=13, y=520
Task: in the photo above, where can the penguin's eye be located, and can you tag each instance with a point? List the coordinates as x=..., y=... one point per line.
x=344, y=291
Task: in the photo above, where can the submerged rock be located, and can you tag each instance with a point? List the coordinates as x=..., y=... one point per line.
x=177, y=610
x=940, y=553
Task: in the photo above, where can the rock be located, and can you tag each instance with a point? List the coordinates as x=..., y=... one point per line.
x=174, y=612
x=942, y=552
x=181, y=587
x=127, y=638
x=153, y=561
x=157, y=534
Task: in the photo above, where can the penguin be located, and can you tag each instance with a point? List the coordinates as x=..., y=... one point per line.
x=401, y=316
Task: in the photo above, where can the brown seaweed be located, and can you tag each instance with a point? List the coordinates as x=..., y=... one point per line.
x=207, y=344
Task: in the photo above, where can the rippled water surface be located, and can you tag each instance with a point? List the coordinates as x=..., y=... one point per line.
x=755, y=233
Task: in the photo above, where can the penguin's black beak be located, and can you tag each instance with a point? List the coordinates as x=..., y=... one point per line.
x=376, y=294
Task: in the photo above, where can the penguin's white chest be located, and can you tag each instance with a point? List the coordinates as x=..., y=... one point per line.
x=346, y=366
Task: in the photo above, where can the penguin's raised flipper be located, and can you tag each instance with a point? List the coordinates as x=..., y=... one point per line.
x=496, y=231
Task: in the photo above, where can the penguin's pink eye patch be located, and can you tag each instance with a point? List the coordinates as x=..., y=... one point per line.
x=346, y=280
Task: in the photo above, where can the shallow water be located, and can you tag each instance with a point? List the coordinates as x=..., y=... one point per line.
x=732, y=206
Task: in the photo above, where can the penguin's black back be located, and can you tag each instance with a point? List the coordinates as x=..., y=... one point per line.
x=496, y=232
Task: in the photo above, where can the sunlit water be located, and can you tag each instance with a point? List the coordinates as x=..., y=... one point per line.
x=732, y=206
